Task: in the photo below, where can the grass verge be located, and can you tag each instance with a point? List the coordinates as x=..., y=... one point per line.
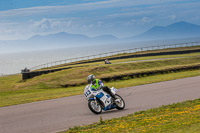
x=77, y=76
x=49, y=86
x=179, y=117
x=19, y=96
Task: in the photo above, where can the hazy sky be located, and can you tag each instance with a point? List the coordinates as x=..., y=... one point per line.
x=21, y=19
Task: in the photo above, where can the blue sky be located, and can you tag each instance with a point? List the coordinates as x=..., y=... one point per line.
x=21, y=19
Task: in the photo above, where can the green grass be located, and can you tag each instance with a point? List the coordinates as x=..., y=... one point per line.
x=48, y=86
x=181, y=117
x=19, y=96
x=79, y=75
x=174, y=118
x=8, y=82
x=157, y=57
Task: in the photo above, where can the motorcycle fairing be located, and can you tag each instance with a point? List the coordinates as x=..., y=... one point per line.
x=111, y=106
x=100, y=95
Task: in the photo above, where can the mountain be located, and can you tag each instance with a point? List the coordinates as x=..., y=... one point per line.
x=105, y=37
x=55, y=41
x=62, y=36
x=177, y=30
x=174, y=31
x=69, y=39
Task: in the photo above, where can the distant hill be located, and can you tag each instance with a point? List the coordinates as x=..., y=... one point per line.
x=62, y=36
x=69, y=39
x=55, y=41
x=174, y=31
x=179, y=30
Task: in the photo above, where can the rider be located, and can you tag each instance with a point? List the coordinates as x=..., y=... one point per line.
x=98, y=84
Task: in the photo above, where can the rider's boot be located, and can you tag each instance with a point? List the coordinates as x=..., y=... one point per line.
x=106, y=89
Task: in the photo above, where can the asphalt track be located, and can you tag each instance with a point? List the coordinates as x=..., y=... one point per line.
x=60, y=114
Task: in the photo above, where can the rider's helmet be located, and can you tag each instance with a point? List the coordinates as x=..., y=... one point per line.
x=91, y=78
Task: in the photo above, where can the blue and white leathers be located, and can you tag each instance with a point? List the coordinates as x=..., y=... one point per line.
x=100, y=84
x=98, y=99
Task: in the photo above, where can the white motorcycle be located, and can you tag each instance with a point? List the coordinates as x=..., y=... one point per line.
x=99, y=100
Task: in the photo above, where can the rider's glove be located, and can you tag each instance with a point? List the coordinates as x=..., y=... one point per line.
x=99, y=88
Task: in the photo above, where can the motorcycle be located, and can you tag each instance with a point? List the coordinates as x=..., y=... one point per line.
x=99, y=100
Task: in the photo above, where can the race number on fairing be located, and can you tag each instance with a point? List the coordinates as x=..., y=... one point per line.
x=87, y=93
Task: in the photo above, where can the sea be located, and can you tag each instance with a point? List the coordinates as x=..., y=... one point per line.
x=13, y=63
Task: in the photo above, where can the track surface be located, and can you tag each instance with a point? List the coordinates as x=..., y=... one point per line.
x=60, y=114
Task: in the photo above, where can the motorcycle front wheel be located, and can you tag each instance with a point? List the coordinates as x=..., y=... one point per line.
x=119, y=102
x=94, y=107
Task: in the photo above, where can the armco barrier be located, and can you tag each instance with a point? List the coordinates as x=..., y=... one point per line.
x=31, y=74
x=105, y=55
x=137, y=55
x=28, y=75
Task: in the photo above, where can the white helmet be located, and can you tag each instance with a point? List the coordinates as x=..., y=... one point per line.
x=91, y=78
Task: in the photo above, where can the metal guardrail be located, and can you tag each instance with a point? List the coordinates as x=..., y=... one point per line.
x=4, y=75
x=104, y=55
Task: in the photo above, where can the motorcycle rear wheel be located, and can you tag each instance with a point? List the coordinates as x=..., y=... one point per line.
x=94, y=107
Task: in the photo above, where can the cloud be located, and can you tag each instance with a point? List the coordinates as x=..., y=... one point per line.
x=58, y=9
x=24, y=30
x=130, y=14
x=99, y=23
x=145, y=20
x=51, y=25
x=12, y=31
x=173, y=17
x=99, y=17
x=44, y=25
x=66, y=9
